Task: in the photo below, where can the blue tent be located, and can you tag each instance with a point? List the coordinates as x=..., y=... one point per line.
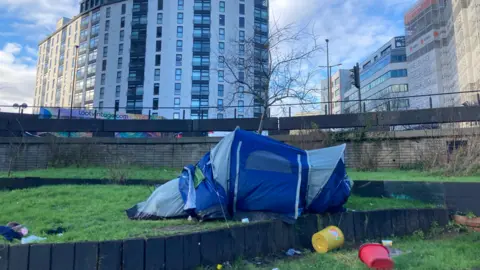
x=247, y=172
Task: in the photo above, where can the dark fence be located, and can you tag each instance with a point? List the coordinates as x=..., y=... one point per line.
x=456, y=196
x=214, y=247
x=106, y=127
x=32, y=182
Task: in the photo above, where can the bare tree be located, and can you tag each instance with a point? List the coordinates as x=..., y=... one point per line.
x=274, y=67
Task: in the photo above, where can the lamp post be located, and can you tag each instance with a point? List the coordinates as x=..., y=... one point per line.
x=73, y=79
x=328, y=77
x=329, y=73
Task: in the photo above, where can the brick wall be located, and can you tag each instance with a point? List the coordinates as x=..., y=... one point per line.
x=389, y=149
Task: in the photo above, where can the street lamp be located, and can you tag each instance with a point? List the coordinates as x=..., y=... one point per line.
x=20, y=107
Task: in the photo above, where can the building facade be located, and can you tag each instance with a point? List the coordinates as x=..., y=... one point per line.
x=164, y=57
x=383, y=75
x=339, y=85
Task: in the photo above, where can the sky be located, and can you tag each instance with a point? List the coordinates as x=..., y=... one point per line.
x=355, y=29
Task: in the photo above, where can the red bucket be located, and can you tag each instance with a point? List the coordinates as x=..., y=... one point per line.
x=375, y=256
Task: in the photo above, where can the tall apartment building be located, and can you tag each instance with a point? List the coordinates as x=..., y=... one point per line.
x=383, y=75
x=164, y=57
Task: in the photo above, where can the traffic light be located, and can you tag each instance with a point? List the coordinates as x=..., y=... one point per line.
x=355, y=76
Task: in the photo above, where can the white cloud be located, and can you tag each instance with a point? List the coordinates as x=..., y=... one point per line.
x=17, y=76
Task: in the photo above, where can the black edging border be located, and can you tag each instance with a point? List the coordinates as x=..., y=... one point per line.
x=189, y=251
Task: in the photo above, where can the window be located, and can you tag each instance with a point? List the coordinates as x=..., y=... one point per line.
x=160, y=4
x=240, y=107
x=222, y=6
x=180, y=17
x=158, y=46
x=100, y=105
x=122, y=22
x=241, y=76
x=117, y=105
x=159, y=18
x=122, y=35
x=180, y=4
x=157, y=75
x=241, y=91
x=241, y=22
x=179, y=45
x=221, y=62
x=176, y=115
x=120, y=63
x=241, y=36
x=220, y=90
x=136, y=7
x=107, y=25
x=178, y=60
x=222, y=20
x=105, y=51
x=119, y=76
x=179, y=31
x=159, y=32
x=221, y=34
x=221, y=47
x=221, y=76
x=104, y=65
x=241, y=63
x=117, y=91
x=241, y=49
x=132, y=76
x=201, y=61
x=105, y=38
x=201, y=32
x=242, y=9
x=176, y=102
x=201, y=19
x=178, y=88
x=102, y=80
x=219, y=115
x=108, y=11
x=156, y=89
x=120, y=49
x=158, y=60
x=220, y=104
x=155, y=104
x=200, y=75
x=124, y=8
x=178, y=74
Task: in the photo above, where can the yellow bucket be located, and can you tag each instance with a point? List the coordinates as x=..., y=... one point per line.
x=327, y=239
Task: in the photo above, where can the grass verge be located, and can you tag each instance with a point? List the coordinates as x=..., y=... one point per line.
x=459, y=252
x=96, y=213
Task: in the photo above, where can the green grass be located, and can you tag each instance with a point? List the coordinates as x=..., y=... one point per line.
x=88, y=212
x=97, y=212
x=366, y=203
x=460, y=252
x=149, y=173
x=408, y=175
x=98, y=173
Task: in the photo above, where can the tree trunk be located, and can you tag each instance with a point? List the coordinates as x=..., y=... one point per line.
x=262, y=120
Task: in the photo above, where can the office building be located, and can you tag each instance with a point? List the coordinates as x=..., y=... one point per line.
x=383, y=75
x=164, y=57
